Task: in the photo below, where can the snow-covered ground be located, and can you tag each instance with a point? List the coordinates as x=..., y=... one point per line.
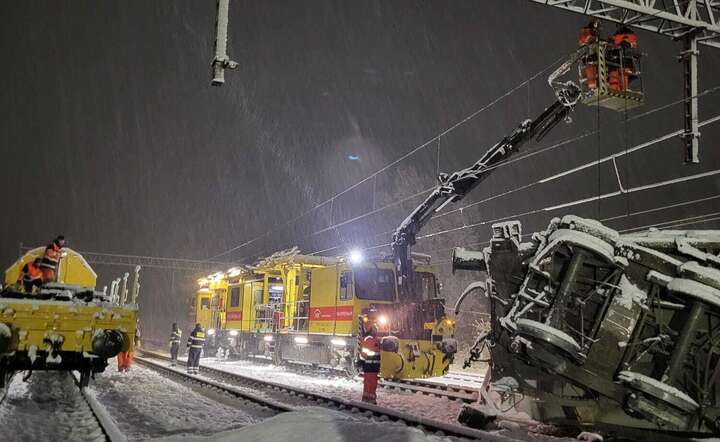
x=49, y=407
x=145, y=405
x=319, y=425
x=414, y=403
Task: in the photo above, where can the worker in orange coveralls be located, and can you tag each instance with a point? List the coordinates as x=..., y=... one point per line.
x=31, y=275
x=125, y=358
x=589, y=35
x=620, y=77
x=370, y=358
x=51, y=259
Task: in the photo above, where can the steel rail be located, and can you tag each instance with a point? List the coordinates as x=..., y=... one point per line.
x=449, y=391
x=107, y=425
x=314, y=399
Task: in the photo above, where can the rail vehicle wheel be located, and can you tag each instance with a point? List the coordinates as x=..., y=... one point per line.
x=549, y=337
x=658, y=401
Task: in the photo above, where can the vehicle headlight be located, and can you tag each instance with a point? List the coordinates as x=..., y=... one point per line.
x=268, y=338
x=382, y=320
x=233, y=332
x=301, y=340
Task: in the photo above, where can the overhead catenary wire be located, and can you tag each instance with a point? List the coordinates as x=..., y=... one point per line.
x=398, y=160
x=610, y=219
x=621, y=190
x=613, y=157
x=558, y=206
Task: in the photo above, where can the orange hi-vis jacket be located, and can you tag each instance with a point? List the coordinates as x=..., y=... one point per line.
x=370, y=354
x=628, y=38
x=30, y=272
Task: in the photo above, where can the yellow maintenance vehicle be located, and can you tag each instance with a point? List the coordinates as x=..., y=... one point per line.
x=309, y=309
x=65, y=324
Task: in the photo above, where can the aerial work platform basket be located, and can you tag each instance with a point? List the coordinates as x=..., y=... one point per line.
x=610, y=76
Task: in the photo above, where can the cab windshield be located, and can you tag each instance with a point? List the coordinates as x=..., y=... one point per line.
x=424, y=286
x=375, y=284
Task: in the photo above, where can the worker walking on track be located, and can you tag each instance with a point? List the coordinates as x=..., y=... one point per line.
x=31, y=275
x=370, y=358
x=195, y=343
x=175, y=337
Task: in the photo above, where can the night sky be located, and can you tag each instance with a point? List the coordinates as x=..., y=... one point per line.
x=113, y=136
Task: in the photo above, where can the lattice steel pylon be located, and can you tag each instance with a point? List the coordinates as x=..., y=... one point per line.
x=693, y=21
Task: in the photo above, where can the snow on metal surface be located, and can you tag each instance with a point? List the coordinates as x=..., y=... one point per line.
x=706, y=275
x=693, y=288
x=591, y=227
x=629, y=294
x=145, y=405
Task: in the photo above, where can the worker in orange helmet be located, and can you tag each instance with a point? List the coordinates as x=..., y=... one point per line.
x=370, y=358
x=31, y=275
x=590, y=34
x=619, y=76
x=51, y=259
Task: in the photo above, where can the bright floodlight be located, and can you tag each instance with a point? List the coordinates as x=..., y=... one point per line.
x=356, y=256
x=383, y=320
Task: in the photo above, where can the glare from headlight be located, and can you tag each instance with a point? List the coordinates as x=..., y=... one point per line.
x=211, y=332
x=383, y=320
x=340, y=342
x=268, y=338
x=233, y=332
x=301, y=340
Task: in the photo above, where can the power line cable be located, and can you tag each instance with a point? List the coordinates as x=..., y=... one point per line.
x=397, y=161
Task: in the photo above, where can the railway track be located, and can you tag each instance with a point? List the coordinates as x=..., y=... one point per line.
x=449, y=390
x=107, y=425
x=286, y=398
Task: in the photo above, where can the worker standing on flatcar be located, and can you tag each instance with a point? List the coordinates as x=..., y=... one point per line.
x=31, y=275
x=195, y=343
x=51, y=259
x=370, y=358
x=175, y=337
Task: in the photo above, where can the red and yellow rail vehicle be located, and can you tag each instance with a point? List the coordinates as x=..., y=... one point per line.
x=310, y=309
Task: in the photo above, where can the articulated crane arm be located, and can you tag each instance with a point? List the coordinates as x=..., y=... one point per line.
x=454, y=187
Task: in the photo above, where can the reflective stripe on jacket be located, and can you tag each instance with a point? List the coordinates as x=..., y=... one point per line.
x=196, y=339
x=370, y=354
x=175, y=336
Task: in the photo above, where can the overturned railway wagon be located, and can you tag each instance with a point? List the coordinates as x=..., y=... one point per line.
x=62, y=325
x=311, y=309
x=605, y=329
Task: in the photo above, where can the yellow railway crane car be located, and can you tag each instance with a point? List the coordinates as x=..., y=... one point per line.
x=64, y=325
x=309, y=309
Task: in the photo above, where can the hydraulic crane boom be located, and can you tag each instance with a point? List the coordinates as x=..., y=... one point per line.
x=454, y=187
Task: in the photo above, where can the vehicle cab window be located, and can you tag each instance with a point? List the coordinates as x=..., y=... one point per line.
x=375, y=284
x=346, y=286
x=235, y=297
x=425, y=286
